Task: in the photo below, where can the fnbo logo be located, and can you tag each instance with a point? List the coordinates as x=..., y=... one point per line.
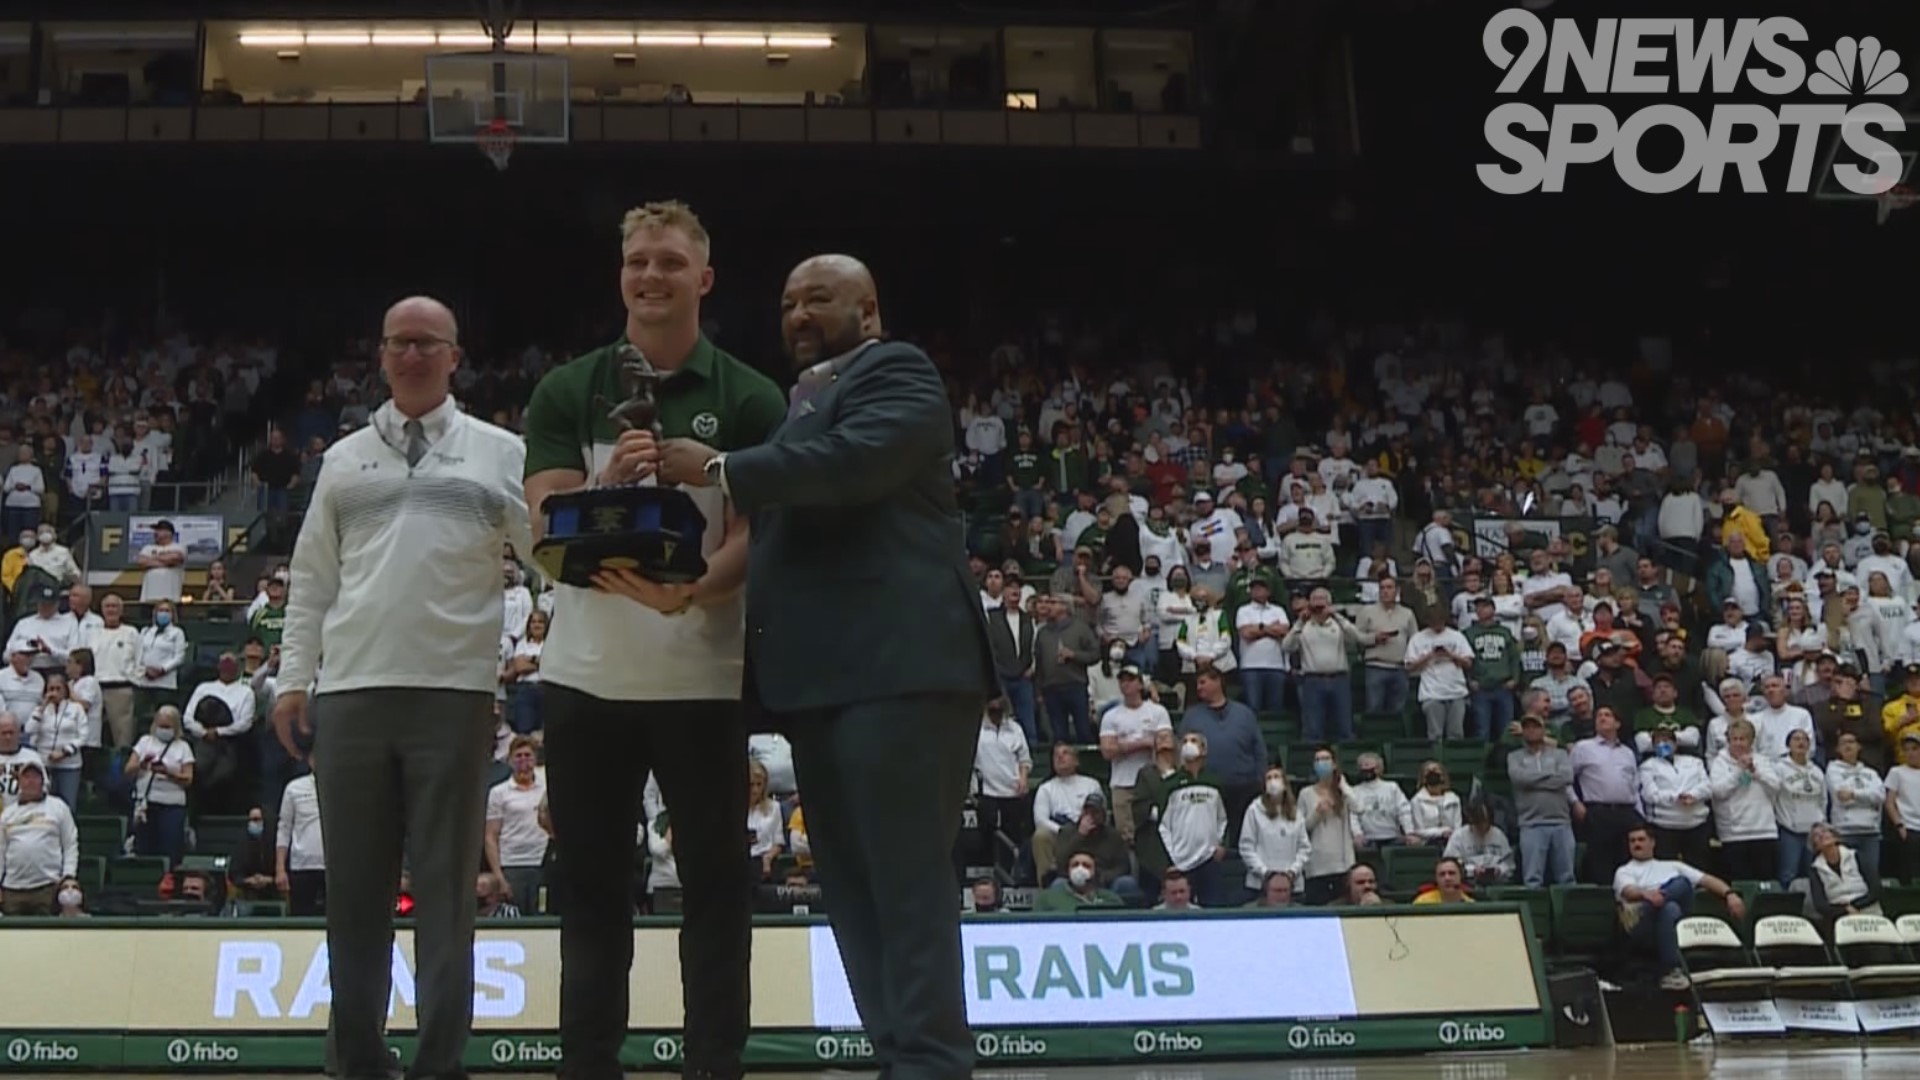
x=990, y=1044
x=524, y=1052
x=201, y=1052
x=1303, y=1037
x=842, y=1047
x=41, y=1052
x=1060, y=972
x=1472, y=1033
x=1147, y=1043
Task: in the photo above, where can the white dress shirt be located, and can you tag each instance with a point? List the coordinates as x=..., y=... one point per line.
x=999, y=759
x=164, y=648
x=299, y=827
x=238, y=695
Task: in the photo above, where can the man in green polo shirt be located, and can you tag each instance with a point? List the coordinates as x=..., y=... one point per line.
x=643, y=678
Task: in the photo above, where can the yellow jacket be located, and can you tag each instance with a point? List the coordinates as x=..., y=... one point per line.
x=1747, y=523
x=1894, y=719
x=11, y=567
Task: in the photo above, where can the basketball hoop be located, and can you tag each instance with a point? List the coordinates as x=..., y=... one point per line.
x=1899, y=197
x=496, y=140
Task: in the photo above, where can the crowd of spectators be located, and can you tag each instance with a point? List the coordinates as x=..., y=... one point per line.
x=1630, y=595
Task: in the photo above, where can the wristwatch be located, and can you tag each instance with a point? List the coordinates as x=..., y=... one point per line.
x=715, y=469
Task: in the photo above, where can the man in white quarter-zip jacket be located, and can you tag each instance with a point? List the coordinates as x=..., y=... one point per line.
x=396, y=586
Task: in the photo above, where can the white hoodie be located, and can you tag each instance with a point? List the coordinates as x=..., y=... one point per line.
x=1662, y=782
x=1273, y=843
x=1742, y=806
x=1800, y=802
x=39, y=844
x=1194, y=823
x=1861, y=816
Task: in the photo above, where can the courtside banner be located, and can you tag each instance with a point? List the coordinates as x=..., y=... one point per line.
x=143, y=994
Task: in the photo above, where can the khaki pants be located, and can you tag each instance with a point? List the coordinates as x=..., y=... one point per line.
x=20, y=903
x=1046, y=851
x=1121, y=800
x=116, y=711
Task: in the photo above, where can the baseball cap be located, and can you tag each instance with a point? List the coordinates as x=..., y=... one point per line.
x=1130, y=672
x=1529, y=718
x=1096, y=800
x=45, y=594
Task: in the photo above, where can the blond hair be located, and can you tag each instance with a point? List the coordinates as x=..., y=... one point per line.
x=671, y=214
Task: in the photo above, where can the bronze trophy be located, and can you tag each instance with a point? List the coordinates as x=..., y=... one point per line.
x=654, y=531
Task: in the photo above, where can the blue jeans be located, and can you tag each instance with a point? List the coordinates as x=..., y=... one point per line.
x=1546, y=854
x=163, y=833
x=1020, y=695
x=1492, y=711
x=1866, y=849
x=1067, y=714
x=1030, y=502
x=1326, y=707
x=1145, y=655
x=15, y=520
x=64, y=784
x=126, y=503
x=1660, y=925
x=1386, y=690
x=1793, y=855
x=275, y=500
x=524, y=706
x=1266, y=688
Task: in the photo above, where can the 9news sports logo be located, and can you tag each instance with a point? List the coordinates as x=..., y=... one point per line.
x=1851, y=85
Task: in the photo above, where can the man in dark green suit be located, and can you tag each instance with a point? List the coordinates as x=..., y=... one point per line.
x=867, y=642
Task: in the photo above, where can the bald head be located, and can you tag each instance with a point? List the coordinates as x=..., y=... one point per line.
x=423, y=311
x=419, y=348
x=830, y=307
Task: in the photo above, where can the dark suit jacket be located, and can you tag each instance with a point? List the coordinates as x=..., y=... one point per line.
x=858, y=586
x=1010, y=658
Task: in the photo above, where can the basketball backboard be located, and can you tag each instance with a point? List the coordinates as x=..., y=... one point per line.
x=470, y=93
x=1836, y=152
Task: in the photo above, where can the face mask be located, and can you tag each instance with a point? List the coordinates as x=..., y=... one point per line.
x=228, y=670
x=163, y=619
x=256, y=828
x=1432, y=779
x=1863, y=528
x=165, y=735
x=1369, y=774
x=70, y=898
x=1079, y=875
x=1276, y=788
x=1117, y=654
x=1189, y=751
x=26, y=540
x=1663, y=750
x=46, y=538
x=1323, y=769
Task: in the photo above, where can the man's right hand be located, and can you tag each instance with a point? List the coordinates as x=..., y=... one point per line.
x=281, y=883
x=635, y=456
x=290, y=709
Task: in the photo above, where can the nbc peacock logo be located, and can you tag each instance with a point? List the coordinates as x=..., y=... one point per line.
x=1857, y=68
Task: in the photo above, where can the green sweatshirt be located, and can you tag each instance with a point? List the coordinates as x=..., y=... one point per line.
x=1496, y=656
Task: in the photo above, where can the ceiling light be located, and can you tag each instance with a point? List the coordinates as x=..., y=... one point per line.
x=340, y=37
x=465, y=40
x=600, y=40
x=273, y=39
x=735, y=41
x=799, y=41
x=667, y=40
x=412, y=38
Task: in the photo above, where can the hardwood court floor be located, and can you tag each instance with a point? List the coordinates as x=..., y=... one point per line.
x=1880, y=1062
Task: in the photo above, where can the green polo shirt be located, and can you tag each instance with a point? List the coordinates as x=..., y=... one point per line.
x=609, y=646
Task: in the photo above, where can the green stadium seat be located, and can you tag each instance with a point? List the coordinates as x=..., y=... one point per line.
x=1586, y=920
x=1383, y=727
x=260, y=909
x=92, y=872
x=1406, y=754
x=136, y=873
x=212, y=864
x=219, y=835
x=1348, y=754
x=1408, y=868
x=1897, y=899
x=102, y=835
x=1468, y=758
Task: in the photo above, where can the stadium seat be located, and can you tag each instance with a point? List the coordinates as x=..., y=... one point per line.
x=212, y=864
x=1406, y=755
x=104, y=836
x=91, y=872
x=1802, y=964
x=1878, y=963
x=1586, y=920
x=260, y=909
x=1408, y=868
x=1382, y=727
x=138, y=873
x=1715, y=957
x=1900, y=900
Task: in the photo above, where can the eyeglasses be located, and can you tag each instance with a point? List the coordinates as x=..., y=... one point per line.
x=428, y=346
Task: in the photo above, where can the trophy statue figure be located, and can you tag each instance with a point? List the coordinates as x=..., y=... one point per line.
x=653, y=531
x=641, y=381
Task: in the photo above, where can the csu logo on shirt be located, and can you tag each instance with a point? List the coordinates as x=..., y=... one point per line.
x=706, y=425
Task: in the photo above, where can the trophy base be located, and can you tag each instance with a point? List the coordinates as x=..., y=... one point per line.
x=654, y=532
x=575, y=561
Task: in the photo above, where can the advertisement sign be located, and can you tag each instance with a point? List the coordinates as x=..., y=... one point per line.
x=1834, y=1016
x=115, y=540
x=1888, y=1014
x=521, y=1053
x=1742, y=1017
x=157, y=996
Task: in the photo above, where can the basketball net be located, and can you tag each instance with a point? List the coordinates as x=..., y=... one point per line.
x=1899, y=197
x=496, y=140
